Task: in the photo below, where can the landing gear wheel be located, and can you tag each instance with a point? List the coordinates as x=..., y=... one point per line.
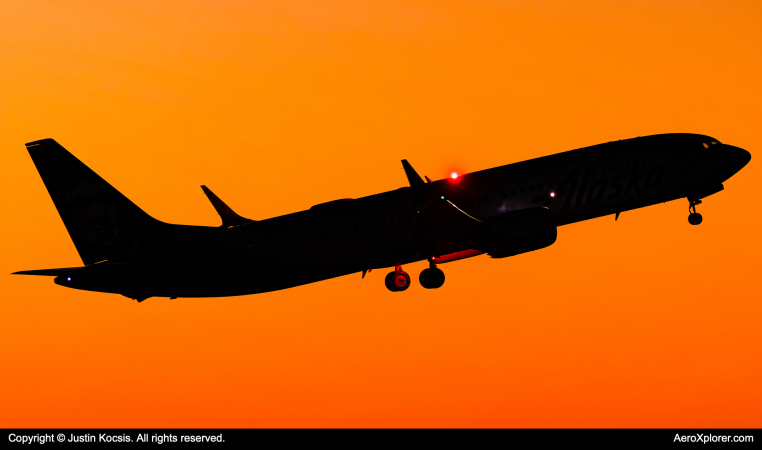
x=694, y=218
x=432, y=278
x=401, y=280
x=389, y=282
x=397, y=281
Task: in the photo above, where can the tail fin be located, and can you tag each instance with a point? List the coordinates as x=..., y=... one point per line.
x=102, y=223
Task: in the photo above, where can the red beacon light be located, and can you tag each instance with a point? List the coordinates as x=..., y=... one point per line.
x=454, y=178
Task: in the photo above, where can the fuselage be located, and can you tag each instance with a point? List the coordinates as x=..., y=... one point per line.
x=383, y=230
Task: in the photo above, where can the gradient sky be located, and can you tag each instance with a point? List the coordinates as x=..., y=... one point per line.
x=276, y=106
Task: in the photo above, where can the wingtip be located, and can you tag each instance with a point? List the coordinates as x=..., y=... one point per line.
x=228, y=216
x=412, y=176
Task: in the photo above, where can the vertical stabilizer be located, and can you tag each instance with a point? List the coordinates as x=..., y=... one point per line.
x=102, y=223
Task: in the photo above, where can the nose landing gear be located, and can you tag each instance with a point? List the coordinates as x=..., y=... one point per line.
x=398, y=280
x=694, y=218
x=432, y=278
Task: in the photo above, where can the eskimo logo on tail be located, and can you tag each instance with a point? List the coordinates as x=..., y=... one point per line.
x=102, y=223
x=92, y=214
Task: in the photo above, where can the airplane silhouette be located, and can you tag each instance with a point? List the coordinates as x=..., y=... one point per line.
x=503, y=211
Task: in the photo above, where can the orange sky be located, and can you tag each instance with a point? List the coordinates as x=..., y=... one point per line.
x=276, y=106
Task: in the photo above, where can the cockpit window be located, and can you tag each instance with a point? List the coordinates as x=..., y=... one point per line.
x=706, y=145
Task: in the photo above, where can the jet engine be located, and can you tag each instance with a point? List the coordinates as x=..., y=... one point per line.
x=520, y=231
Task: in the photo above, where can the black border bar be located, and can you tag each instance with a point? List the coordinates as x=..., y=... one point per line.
x=238, y=436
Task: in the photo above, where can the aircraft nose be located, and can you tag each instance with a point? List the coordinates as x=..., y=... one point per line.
x=731, y=160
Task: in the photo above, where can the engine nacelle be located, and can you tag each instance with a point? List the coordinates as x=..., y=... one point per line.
x=520, y=231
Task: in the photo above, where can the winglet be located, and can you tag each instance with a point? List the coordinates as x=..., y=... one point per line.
x=229, y=217
x=412, y=175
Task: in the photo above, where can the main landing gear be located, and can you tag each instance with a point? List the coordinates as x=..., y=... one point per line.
x=431, y=278
x=398, y=280
x=694, y=218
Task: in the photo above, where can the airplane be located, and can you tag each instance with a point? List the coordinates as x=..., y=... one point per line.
x=503, y=211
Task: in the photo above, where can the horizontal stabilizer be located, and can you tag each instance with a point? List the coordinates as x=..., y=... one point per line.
x=229, y=217
x=48, y=272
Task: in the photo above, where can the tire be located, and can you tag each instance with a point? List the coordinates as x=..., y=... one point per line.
x=425, y=279
x=695, y=219
x=431, y=278
x=389, y=282
x=401, y=280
